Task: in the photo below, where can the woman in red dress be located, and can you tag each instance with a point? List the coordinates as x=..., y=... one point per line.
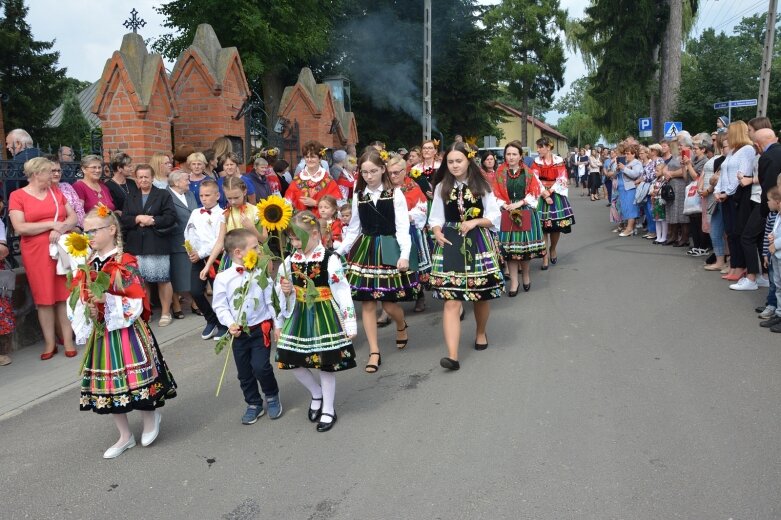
x=313, y=182
x=40, y=215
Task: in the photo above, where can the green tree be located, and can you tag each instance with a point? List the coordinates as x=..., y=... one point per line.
x=274, y=39
x=527, y=49
x=719, y=67
x=29, y=75
x=74, y=130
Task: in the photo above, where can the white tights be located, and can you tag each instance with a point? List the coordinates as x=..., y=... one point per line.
x=661, y=230
x=326, y=389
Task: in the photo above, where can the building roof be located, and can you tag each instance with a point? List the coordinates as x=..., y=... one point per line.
x=86, y=98
x=544, y=127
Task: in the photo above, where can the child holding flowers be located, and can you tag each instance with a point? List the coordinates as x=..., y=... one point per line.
x=237, y=215
x=242, y=300
x=123, y=368
x=379, y=245
x=315, y=334
x=465, y=262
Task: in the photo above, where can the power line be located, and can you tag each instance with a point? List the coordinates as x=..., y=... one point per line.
x=740, y=15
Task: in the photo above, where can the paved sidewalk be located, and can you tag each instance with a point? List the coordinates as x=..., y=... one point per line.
x=28, y=379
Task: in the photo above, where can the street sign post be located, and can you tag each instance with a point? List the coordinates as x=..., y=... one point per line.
x=672, y=129
x=735, y=103
x=645, y=126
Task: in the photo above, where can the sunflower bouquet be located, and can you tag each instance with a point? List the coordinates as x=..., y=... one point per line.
x=84, y=282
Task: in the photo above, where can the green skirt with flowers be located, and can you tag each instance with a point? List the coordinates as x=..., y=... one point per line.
x=469, y=272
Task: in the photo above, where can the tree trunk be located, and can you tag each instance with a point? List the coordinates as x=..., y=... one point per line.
x=654, y=102
x=2, y=132
x=271, y=83
x=524, y=121
x=670, y=76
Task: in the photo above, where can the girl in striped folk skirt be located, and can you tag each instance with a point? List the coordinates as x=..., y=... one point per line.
x=315, y=331
x=379, y=245
x=464, y=215
x=123, y=368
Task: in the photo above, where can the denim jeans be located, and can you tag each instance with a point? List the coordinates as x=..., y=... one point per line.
x=717, y=231
x=649, y=215
x=253, y=363
x=772, y=296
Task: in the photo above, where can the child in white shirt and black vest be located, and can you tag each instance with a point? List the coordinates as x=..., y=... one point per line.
x=252, y=351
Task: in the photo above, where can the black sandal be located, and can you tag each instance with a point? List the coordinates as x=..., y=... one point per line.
x=402, y=344
x=196, y=311
x=179, y=315
x=374, y=368
x=385, y=322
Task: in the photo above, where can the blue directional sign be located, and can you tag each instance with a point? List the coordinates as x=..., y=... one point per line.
x=743, y=103
x=672, y=129
x=644, y=124
x=721, y=106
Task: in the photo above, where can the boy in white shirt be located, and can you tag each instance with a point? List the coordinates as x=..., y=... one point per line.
x=200, y=234
x=252, y=351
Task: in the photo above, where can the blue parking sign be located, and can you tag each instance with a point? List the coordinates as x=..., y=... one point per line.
x=644, y=124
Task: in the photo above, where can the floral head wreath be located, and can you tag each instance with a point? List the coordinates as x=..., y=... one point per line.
x=323, y=151
x=272, y=152
x=436, y=142
x=470, y=152
x=384, y=155
x=308, y=220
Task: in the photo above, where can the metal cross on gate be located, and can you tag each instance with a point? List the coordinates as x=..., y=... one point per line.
x=134, y=22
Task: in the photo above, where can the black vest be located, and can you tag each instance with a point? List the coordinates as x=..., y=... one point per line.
x=452, y=210
x=379, y=219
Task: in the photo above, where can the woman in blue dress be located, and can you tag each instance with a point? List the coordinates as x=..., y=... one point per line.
x=627, y=175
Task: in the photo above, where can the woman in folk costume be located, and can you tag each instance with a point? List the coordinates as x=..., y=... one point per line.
x=417, y=204
x=123, y=368
x=313, y=182
x=379, y=245
x=555, y=211
x=466, y=265
x=520, y=232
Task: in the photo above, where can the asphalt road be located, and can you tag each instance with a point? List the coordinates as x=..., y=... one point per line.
x=628, y=384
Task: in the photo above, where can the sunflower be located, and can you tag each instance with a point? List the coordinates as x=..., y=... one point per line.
x=250, y=260
x=472, y=212
x=275, y=213
x=77, y=244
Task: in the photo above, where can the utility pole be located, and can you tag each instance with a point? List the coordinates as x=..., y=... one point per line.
x=2, y=130
x=426, y=70
x=767, y=59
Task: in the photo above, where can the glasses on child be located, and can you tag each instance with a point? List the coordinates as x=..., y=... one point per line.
x=92, y=232
x=371, y=172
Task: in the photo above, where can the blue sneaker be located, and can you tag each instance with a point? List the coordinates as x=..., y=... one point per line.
x=253, y=413
x=209, y=331
x=220, y=332
x=274, y=407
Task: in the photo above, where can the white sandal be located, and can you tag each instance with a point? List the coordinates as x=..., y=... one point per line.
x=165, y=320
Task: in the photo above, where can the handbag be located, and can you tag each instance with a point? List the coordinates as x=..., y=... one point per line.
x=390, y=252
x=642, y=191
x=693, y=202
x=667, y=193
x=7, y=282
x=166, y=231
x=516, y=221
x=54, y=250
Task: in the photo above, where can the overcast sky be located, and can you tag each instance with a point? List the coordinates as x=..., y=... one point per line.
x=87, y=32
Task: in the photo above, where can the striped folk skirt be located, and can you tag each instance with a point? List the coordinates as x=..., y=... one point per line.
x=314, y=337
x=370, y=279
x=557, y=217
x=420, y=238
x=469, y=269
x=524, y=245
x=124, y=370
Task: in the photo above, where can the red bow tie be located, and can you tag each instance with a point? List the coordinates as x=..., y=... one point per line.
x=240, y=270
x=204, y=210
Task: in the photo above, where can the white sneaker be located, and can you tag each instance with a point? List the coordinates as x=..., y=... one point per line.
x=762, y=281
x=768, y=313
x=744, y=284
